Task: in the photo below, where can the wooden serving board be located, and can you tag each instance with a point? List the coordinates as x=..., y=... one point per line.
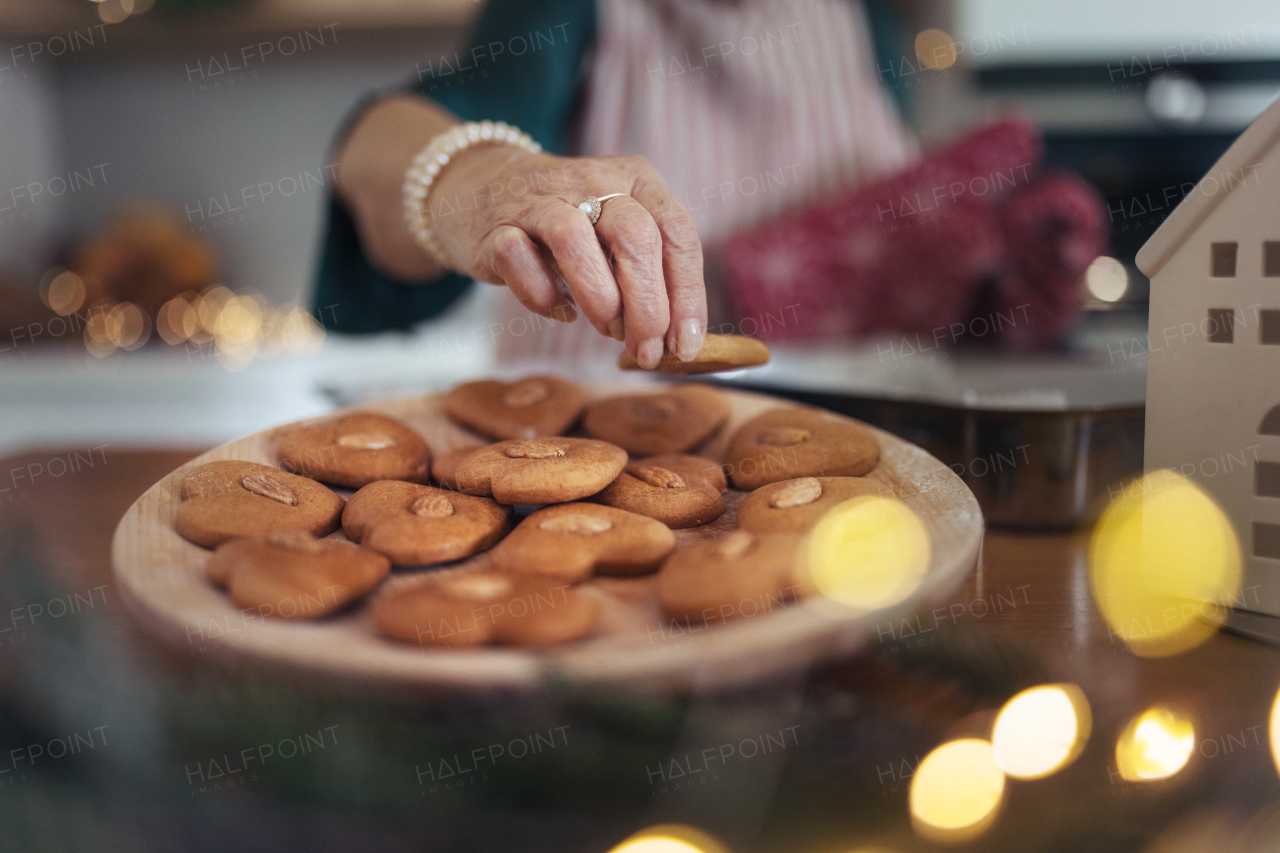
x=161, y=577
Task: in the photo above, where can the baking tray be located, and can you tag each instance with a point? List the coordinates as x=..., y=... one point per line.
x=1043, y=441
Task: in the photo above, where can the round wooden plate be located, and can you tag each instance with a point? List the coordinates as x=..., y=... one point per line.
x=161, y=577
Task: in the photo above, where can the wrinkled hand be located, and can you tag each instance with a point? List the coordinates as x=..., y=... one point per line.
x=508, y=216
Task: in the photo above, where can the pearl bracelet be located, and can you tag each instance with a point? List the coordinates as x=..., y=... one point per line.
x=434, y=157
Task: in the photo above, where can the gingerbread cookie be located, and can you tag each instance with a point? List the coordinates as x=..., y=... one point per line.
x=535, y=405
x=664, y=494
x=740, y=574
x=667, y=422
x=569, y=541
x=227, y=499
x=795, y=506
x=444, y=468
x=541, y=470
x=718, y=353
x=467, y=609
x=786, y=443
x=414, y=524
x=695, y=469
x=294, y=575
x=356, y=450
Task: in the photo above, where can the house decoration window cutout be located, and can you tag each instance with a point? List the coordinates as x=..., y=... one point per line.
x=1223, y=260
x=1214, y=394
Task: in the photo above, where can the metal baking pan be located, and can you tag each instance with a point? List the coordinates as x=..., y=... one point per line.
x=1043, y=441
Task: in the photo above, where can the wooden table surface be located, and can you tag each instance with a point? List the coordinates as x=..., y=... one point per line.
x=860, y=726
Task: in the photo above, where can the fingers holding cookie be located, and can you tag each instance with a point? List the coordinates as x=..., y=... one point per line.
x=228, y=499
x=535, y=405
x=786, y=443
x=571, y=541
x=664, y=494
x=293, y=575
x=667, y=422
x=544, y=470
x=356, y=450
x=795, y=506
x=719, y=353
x=413, y=524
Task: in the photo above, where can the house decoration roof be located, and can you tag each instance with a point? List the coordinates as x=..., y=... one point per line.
x=1225, y=176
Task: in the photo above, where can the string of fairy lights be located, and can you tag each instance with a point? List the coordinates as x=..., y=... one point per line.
x=869, y=553
x=236, y=327
x=117, y=11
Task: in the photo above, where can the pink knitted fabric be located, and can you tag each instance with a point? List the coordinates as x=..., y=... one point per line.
x=973, y=227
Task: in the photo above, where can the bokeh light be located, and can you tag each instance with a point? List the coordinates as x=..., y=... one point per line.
x=235, y=328
x=1275, y=731
x=62, y=291
x=1165, y=565
x=128, y=326
x=1154, y=745
x=1041, y=730
x=114, y=11
x=210, y=304
x=956, y=791
x=176, y=321
x=868, y=552
x=237, y=325
x=1106, y=279
x=97, y=330
x=936, y=49
x=671, y=838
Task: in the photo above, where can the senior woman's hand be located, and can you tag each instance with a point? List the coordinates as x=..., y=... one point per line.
x=508, y=216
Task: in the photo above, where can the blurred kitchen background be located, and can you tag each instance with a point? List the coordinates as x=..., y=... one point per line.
x=130, y=128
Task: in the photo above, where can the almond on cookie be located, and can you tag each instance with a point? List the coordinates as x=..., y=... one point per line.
x=226, y=499
x=356, y=450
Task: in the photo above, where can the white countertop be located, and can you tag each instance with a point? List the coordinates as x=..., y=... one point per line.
x=160, y=396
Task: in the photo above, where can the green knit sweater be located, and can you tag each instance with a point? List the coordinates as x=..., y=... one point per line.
x=525, y=65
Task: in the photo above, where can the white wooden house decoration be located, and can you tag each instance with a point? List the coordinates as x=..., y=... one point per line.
x=1213, y=353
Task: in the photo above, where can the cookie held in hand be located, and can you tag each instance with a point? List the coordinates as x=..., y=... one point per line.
x=293, y=575
x=664, y=494
x=356, y=450
x=570, y=541
x=741, y=574
x=228, y=499
x=795, y=506
x=468, y=609
x=535, y=405
x=414, y=524
x=718, y=354
x=667, y=422
x=548, y=469
x=786, y=443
